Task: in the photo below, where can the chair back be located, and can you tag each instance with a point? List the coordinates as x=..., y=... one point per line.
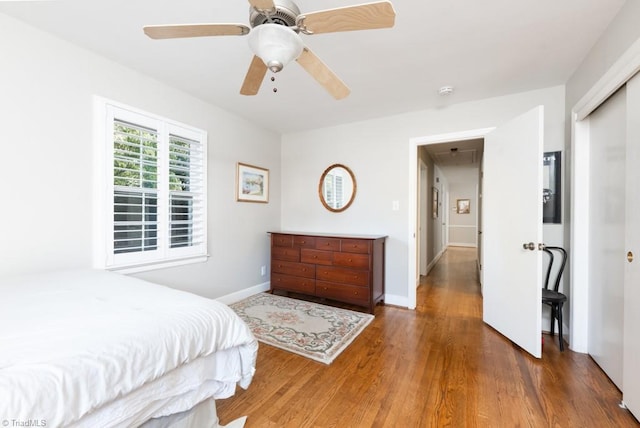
x=563, y=261
x=549, y=267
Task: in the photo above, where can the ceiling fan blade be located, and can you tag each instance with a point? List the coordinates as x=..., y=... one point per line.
x=254, y=77
x=323, y=74
x=262, y=4
x=367, y=16
x=194, y=30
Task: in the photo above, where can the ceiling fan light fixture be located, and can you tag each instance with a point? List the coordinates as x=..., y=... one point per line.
x=275, y=44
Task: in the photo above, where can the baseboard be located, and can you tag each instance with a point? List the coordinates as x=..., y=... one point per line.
x=566, y=335
x=394, y=300
x=462, y=244
x=243, y=294
x=228, y=299
x=435, y=260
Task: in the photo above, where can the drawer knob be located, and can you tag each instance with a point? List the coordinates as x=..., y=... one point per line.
x=315, y=257
x=350, y=260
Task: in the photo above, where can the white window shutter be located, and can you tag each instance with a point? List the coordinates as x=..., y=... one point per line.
x=156, y=198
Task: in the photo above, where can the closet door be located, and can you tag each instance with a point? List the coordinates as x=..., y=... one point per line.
x=607, y=234
x=631, y=360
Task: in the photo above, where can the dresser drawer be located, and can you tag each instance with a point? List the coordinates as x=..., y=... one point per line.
x=285, y=253
x=279, y=240
x=342, y=267
x=343, y=293
x=292, y=283
x=328, y=244
x=343, y=275
x=355, y=246
x=357, y=261
x=293, y=268
x=304, y=241
x=316, y=257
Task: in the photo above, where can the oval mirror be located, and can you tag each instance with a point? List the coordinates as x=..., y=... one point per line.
x=337, y=188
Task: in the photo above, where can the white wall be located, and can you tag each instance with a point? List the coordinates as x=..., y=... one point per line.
x=621, y=34
x=436, y=238
x=378, y=153
x=47, y=86
x=463, y=184
x=434, y=246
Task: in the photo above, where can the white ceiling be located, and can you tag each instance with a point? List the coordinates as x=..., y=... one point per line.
x=482, y=48
x=466, y=153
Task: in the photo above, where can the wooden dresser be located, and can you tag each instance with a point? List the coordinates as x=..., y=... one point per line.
x=345, y=268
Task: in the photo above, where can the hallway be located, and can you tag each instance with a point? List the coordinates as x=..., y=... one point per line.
x=437, y=366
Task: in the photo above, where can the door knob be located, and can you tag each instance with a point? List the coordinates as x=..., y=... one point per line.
x=530, y=246
x=629, y=256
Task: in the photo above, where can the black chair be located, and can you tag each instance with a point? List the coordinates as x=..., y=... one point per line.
x=553, y=297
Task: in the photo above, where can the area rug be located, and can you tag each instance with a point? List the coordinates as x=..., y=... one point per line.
x=309, y=329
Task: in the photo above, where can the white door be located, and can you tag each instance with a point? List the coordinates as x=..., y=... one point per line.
x=631, y=354
x=512, y=216
x=422, y=220
x=480, y=220
x=444, y=232
x=607, y=145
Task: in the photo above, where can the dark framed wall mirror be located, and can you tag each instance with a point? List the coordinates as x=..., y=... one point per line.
x=337, y=188
x=552, y=187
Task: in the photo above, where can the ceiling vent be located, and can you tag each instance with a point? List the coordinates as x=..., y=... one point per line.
x=445, y=90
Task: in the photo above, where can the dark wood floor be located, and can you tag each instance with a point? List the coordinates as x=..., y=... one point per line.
x=437, y=366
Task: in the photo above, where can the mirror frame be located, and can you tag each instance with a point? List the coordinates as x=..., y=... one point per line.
x=321, y=193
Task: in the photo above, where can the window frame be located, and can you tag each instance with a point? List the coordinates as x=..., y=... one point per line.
x=106, y=112
x=334, y=190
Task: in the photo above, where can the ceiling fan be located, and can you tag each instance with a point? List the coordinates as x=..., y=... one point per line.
x=274, y=37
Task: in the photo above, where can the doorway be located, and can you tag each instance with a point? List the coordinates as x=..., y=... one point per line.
x=454, y=170
x=510, y=226
x=415, y=144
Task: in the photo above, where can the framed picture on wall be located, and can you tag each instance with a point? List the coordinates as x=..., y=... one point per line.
x=551, y=188
x=434, y=202
x=463, y=206
x=252, y=183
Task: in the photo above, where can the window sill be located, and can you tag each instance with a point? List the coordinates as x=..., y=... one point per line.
x=145, y=267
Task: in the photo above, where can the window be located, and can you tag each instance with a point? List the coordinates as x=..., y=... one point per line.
x=153, y=176
x=333, y=193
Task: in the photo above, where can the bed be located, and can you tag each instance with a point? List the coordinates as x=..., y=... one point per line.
x=89, y=348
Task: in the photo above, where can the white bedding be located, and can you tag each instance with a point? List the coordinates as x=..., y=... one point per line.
x=94, y=348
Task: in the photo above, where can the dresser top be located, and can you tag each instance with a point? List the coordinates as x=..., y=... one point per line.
x=328, y=235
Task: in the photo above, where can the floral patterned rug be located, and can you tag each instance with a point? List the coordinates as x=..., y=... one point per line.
x=309, y=329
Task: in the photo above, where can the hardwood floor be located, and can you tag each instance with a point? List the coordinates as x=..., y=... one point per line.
x=437, y=366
